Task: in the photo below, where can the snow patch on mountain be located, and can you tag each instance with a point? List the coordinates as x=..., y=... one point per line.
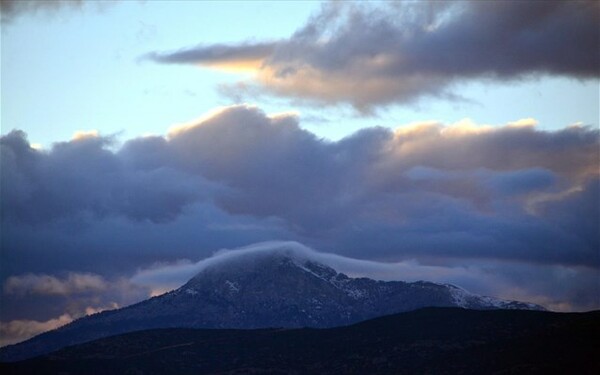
x=234, y=287
x=466, y=299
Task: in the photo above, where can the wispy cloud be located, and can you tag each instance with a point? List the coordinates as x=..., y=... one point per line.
x=74, y=283
x=242, y=57
x=172, y=275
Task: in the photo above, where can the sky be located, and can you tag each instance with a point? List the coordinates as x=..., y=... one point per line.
x=448, y=141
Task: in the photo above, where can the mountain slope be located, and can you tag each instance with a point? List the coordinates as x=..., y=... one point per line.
x=432, y=340
x=271, y=289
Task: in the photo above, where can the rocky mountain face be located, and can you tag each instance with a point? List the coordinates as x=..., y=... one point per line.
x=264, y=290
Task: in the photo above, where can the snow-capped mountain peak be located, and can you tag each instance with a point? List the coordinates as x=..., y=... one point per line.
x=284, y=288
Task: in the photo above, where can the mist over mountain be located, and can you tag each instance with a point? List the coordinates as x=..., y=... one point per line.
x=284, y=286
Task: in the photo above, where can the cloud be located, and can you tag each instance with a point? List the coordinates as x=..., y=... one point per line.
x=20, y=330
x=85, y=134
x=82, y=177
x=15, y=331
x=247, y=56
x=399, y=52
x=75, y=292
x=11, y=9
x=32, y=302
x=173, y=275
x=422, y=188
x=427, y=197
x=74, y=283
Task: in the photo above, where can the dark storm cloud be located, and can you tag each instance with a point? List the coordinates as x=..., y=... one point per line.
x=254, y=155
x=83, y=206
x=401, y=51
x=82, y=177
x=578, y=214
x=422, y=191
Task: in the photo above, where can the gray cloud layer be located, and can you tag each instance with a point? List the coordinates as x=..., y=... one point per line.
x=511, y=192
x=509, y=211
x=401, y=51
x=84, y=177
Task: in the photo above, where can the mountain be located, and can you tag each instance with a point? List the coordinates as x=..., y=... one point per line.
x=282, y=288
x=426, y=341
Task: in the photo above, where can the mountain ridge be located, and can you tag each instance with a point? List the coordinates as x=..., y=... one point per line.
x=283, y=288
x=438, y=340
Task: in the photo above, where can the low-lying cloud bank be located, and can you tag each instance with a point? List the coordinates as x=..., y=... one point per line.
x=20, y=330
x=35, y=303
x=398, y=52
x=499, y=280
x=170, y=276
